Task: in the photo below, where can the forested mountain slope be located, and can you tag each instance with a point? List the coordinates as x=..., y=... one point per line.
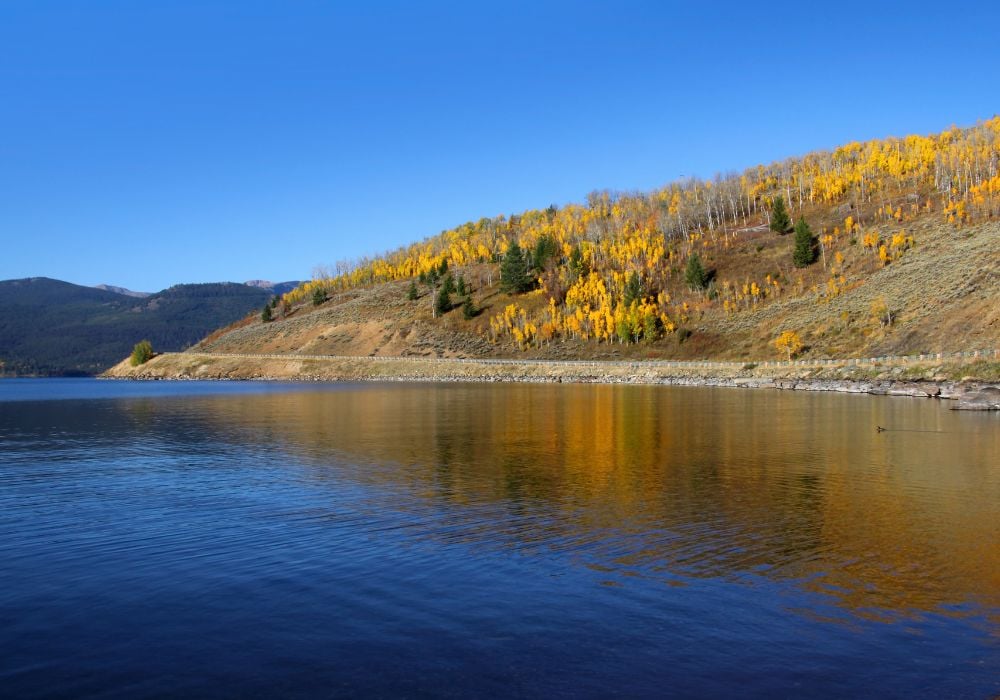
x=49, y=327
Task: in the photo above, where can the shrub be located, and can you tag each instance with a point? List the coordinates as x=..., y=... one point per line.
x=141, y=353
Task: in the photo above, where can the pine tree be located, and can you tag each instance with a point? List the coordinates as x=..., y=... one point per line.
x=545, y=249
x=805, y=252
x=412, y=293
x=469, y=309
x=633, y=289
x=780, y=221
x=514, y=277
x=265, y=315
x=461, y=287
x=319, y=296
x=695, y=274
x=448, y=285
x=442, y=304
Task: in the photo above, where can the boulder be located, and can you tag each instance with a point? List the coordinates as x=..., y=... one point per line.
x=916, y=389
x=986, y=398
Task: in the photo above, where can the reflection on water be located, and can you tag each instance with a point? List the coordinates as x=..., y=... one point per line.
x=713, y=483
x=714, y=528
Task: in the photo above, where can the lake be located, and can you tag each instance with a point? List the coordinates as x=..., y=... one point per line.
x=473, y=540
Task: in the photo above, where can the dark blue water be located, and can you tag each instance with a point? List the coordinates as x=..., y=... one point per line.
x=253, y=539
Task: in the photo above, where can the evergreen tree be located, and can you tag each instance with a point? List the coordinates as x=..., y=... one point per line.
x=633, y=289
x=448, y=285
x=695, y=274
x=514, y=277
x=319, y=296
x=265, y=315
x=444, y=268
x=545, y=249
x=804, y=253
x=442, y=304
x=780, y=220
x=469, y=309
x=461, y=287
x=412, y=293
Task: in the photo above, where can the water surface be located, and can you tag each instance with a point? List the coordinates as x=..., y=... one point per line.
x=234, y=539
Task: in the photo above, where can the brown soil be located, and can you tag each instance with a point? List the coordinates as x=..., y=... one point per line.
x=944, y=294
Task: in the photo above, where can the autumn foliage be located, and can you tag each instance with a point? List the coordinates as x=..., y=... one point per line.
x=618, y=268
x=790, y=343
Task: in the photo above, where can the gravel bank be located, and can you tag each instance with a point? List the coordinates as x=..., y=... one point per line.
x=914, y=381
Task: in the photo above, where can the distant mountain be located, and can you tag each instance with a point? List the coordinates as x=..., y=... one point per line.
x=122, y=290
x=273, y=287
x=49, y=327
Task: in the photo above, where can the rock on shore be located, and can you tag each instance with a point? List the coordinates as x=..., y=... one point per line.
x=969, y=395
x=982, y=398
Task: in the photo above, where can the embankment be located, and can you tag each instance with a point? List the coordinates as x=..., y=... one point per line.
x=971, y=380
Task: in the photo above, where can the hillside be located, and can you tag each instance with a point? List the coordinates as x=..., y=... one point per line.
x=943, y=296
x=49, y=327
x=895, y=250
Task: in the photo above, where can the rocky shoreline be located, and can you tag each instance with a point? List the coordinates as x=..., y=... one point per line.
x=967, y=393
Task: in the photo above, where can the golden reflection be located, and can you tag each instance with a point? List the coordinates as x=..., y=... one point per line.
x=676, y=482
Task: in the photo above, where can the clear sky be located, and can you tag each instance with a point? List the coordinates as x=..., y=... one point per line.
x=150, y=143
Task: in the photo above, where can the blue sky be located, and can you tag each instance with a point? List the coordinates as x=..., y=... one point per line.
x=151, y=143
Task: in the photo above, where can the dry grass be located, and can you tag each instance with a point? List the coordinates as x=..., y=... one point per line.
x=944, y=293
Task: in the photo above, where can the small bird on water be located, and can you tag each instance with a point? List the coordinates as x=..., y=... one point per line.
x=879, y=429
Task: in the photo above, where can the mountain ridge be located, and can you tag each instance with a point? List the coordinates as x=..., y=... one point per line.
x=49, y=327
x=122, y=290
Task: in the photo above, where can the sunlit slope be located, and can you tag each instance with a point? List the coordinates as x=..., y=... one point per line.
x=901, y=255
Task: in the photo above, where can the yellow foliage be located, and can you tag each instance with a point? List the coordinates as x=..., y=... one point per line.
x=789, y=342
x=649, y=234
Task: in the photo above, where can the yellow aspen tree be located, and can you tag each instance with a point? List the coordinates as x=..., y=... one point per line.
x=790, y=343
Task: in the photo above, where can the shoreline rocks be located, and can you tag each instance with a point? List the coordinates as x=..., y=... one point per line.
x=980, y=398
x=968, y=395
